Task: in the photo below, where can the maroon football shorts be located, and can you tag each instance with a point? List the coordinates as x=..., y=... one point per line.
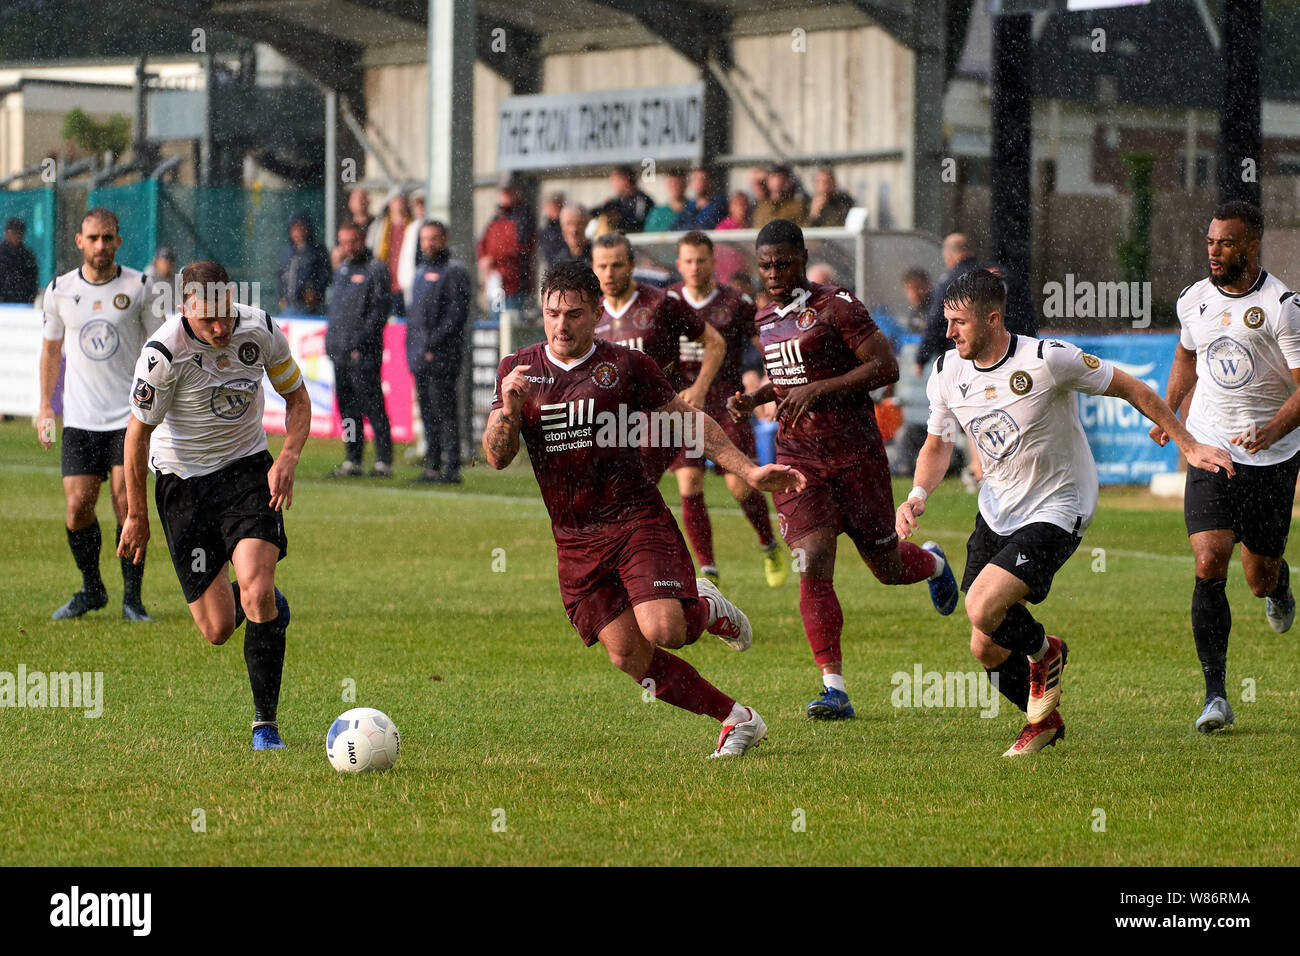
x=854, y=497
x=644, y=560
x=741, y=435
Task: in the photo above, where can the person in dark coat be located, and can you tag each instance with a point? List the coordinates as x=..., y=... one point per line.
x=359, y=299
x=435, y=347
x=18, y=273
x=304, y=273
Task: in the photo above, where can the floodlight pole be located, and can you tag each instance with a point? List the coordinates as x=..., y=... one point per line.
x=450, y=182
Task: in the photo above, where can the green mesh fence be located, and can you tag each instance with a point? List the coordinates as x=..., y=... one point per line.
x=35, y=207
x=244, y=229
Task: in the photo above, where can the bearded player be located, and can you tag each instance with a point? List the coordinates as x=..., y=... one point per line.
x=732, y=314
x=1012, y=394
x=824, y=354
x=1239, y=356
x=625, y=574
x=655, y=322
x=96, y=315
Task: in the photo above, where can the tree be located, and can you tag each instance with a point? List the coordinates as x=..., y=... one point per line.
x=111, y=136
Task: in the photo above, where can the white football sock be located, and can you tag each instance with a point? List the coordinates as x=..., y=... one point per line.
x=939, y=565
x=738, y=715
x=835, y=681
x=1038, y=654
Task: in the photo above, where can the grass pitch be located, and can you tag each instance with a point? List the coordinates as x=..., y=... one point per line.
x=521, y=747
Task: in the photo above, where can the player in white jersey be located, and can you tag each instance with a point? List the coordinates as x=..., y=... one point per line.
x=97, y=314
x=1240, y=351
x=1011, y=395
x=198, y=396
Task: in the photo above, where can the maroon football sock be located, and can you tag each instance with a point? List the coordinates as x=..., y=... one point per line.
x=695, y=516
x=697, y=618
x=755, y=509
x=678, y=683
x=918, y=563
x=822, y=618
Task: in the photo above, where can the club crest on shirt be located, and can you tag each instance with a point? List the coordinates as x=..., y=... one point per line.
x=248, y=353
x=1253, y=318
x=642, y=319
x=142, y=394
x=1021, y=382
x=98, y=340
x=121, y=300
x=1091, y=361
x=1230, y=363
x=605, y=375
x=807, y=319
x=230, y=400
x=996, y=433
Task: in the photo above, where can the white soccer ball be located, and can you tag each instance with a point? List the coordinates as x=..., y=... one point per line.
x=362, y=739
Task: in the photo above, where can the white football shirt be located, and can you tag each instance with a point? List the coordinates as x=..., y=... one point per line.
x=1246, y=343
x=207, y=402
x=103, y=326
x=1021, y=417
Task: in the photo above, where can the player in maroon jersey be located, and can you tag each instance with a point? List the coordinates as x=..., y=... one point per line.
x=732, y=315
x=625, y=574
x=824, y=354
x=653, y=321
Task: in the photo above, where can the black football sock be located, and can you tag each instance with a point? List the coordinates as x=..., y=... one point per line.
x=85, y=544
x=1211, y=623
x=264, y=656
x=1283, y=587
x=1011, y=678
x=132, y=575
x=1019, y=632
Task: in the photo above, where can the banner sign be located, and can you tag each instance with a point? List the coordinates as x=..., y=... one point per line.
x=602, y=127
x=1116, y=430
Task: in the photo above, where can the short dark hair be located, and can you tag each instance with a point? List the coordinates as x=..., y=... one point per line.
x=349, y=226
x=102, y=215
x=916, y=274
x=204, y=271
x=612, y=240
x=695, y=238
x=980, y=288
x=1247, y=212
x=626, y=171
x=780, y=232
x=575, y=276
x=16, y=224
x=438, y=223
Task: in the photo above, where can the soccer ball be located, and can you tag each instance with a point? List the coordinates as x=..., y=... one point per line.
x=362, y=739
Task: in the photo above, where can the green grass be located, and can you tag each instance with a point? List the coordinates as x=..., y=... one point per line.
x=501, y=707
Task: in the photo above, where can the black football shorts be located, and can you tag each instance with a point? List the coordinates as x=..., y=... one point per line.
x=1033, y=553
x=1255, y=504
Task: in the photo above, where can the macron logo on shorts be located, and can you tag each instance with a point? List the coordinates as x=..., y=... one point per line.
x=1021, y=559
x=668, y=584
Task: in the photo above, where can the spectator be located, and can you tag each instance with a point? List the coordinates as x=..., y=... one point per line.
x=705, y=210
x=354, y=341
x=628, y=208
x=435, y=346
x=822, y=273
x=758, y=185
x=506, y=251
x=160, y=277
x=959, y=258
x=388, y=246
x=550, y=237
x=663, y=216
x=830, y=205
x=784, y=201
x=304, y=274
x=573, y=227
x=358, y=215
x=18, y=272
x=918, y=289
x=411, y=245
x=739, y=211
